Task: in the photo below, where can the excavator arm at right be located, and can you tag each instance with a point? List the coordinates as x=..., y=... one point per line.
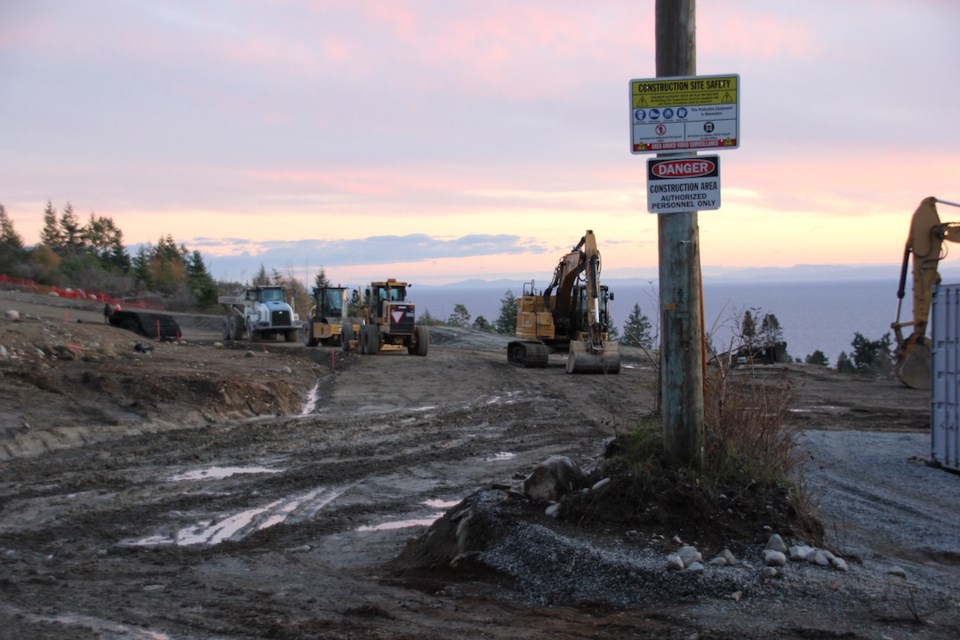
x=925, y=243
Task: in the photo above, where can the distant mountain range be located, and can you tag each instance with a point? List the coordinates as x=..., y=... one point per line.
x=796, y=273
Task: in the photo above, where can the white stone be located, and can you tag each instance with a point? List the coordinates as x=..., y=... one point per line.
x=12, y=314
x=689, y=555
x=600, y=483
x=696, y=567
x=773, y=558
x=775, y=543
x=674, y=563
x=800, y=552
x=553, y=510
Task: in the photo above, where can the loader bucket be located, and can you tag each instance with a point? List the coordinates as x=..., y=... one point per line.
x=584, y=359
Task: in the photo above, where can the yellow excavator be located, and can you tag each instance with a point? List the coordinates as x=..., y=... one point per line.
x=925, y=242
x=570, y=315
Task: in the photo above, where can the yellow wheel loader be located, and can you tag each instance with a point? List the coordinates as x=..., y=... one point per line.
x=925, y=243
x=570, y=315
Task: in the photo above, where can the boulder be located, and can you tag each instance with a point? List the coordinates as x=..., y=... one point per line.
x=552, y=479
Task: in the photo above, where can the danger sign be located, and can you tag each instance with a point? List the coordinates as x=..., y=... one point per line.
x=683, y=184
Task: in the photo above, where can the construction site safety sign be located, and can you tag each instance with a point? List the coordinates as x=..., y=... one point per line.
x=688, y=113
x=683, y=184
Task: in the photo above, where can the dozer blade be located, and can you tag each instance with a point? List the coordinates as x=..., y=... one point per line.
x=581, y=359
x=914, y=369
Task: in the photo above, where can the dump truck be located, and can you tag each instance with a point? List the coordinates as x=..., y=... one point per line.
x=570, y=316
x=262, y=312
x=324, y=323
x=386, y=317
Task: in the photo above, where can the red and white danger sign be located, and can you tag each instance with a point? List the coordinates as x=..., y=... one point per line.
x=683, y=184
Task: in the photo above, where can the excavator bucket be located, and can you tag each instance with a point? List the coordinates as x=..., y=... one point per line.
x=914, y=366
x=583, y=358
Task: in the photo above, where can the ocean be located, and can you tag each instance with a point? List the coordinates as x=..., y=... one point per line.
x=822, y=316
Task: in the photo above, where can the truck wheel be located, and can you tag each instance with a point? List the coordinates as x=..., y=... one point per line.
x=308, y=339
x=423, y=340
x=371, y=333
x=227, y=331
x=346, y=336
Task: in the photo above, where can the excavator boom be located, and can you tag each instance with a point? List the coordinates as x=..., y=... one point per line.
x=925, y=243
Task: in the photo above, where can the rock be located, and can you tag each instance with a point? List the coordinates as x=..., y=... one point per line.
x=696, y=567
x=773, y=558
x=897, y=572
x=600, y=483
x=553, y=478
x=770, y=572
x=839, y=564
x=553, y=510
x=729, y=557
x=775, y=543
x=736, y=595
x=800, y=552
x=674, y=563
x=12, y=314
x=820, y=557
x=688, y=555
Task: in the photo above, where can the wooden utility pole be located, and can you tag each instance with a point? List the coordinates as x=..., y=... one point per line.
x=681, y=326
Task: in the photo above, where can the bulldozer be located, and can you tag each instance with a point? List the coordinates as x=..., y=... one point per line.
x=386, y=318
x=925, y=241
x=570, y=315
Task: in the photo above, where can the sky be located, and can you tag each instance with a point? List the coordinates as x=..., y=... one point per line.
x=437, y=141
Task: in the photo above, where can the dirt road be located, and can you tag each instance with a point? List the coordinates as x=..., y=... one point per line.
x=200, y=491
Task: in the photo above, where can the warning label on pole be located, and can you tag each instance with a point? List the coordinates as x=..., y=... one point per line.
x=683, y=184
x=684, y=113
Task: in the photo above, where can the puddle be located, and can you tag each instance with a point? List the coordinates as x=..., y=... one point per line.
x=424, y=521
x=500, y=455
x=100, y=625
x=311, y=402
x=823, y=408
x=217, y=473
x=240, y=525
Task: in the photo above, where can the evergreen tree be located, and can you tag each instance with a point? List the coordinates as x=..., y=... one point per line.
x=261, y=278
x=748, y=328
x=50, y=235
x=770, y=331
x=460, y=317
x=506, y=322
x=9, y=237
x=872, y=357
x=200, y=281
x=637, y=330
x=140, y=268
x=818, y=358
x=70, y=232
x=481, y=324
x=844, y=364
x=12, y=253
x=321, y=280
x=612, y=332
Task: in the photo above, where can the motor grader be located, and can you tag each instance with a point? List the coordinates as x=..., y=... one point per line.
x=570, y=316
x=386, y=318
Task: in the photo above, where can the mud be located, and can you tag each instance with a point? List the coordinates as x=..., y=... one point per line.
x=208, y=490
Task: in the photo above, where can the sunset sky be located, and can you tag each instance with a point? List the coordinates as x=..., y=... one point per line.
x=436, y=141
